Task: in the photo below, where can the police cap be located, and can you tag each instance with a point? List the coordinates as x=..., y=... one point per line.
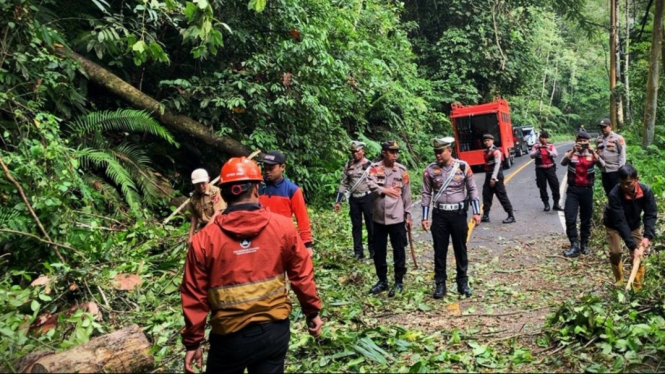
x=441, y=143
x=390, y=144
x=583, y=135
x=356, y=145
x=488, y=136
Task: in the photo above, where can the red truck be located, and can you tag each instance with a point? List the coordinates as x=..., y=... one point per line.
x=470, y=123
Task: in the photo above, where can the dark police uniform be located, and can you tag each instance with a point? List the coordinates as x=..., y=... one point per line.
x=494, y=170
x=449, y=214
x=544, y=156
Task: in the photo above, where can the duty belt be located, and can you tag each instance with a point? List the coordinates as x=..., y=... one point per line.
x=361, y=194
x=449, y=207
x=545, y=166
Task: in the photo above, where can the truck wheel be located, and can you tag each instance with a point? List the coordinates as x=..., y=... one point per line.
x=508, y=163
x=519, y=152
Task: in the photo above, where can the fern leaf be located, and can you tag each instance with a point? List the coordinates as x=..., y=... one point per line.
x=128, y=120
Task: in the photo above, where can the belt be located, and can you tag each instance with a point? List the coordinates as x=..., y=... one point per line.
x=361, y=194
x=545, y=166
x=449, y=207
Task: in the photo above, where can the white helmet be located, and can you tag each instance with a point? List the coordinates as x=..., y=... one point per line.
x=200, y=175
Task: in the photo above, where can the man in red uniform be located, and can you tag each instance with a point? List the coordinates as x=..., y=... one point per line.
x=284, y=197
x=494, y=181
x=544, y=154
x=579, y=194
x=235, y=270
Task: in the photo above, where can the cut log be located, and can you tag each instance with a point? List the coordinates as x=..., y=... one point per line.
x=137, y=99
x=123, y=351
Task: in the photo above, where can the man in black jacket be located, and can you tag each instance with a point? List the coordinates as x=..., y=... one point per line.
x=628, y=202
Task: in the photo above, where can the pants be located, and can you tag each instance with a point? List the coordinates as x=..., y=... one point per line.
x=259, y=348
x=397, y=233
x=545, y=177
x=609, y=181
x=578, y=199
x=445, y=225
x=500, y=190
x=359, y=207
x=615, y=241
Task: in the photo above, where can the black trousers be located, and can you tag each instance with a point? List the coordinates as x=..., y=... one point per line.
x=609, y=181
x=359, y=207
x=259, y=348
x=446, y=225
x=578, y=199
x=499, y=190
x=545, y=177
x=397, y=233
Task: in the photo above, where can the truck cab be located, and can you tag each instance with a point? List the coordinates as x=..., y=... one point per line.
x=470, y=123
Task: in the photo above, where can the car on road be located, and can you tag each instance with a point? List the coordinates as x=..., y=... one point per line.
x=530, y=135
x=521, y=148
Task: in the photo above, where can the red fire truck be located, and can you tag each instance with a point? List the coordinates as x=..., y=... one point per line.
x=470, y=123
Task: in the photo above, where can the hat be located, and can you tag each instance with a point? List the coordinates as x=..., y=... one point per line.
x=544, y=134
x=605, y=122
x=356, y=145
x=390, y=144
x=488, y=136
x=441, y=143
x=274, y=158
x=583, y=135
x=240, y=169
x=200, y=176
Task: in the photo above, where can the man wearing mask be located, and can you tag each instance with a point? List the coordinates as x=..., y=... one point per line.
x=354, y=186
x=611, y=148
x=579, y=194
x=544, y=153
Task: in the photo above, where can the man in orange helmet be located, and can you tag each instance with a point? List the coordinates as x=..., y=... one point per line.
x=235, y=270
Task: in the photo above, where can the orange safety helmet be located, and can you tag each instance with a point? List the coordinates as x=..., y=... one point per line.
x=240, y=169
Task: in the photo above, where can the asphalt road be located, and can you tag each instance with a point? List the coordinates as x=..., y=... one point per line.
x=532, y=222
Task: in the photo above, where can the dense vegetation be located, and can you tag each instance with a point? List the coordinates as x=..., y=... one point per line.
x=89, y=174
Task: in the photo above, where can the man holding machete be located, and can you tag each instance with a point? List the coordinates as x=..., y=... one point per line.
x=629, y=201
x=452, y=183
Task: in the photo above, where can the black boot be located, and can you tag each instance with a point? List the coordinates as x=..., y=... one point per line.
x=557, y=207
x=440, y=291
x=485, y=217
x=379, y=287
x=397, y=288
x=573, y=251
x=371, y=253
x=585, y=247
x=464, y=289
x=510, y=219
x=547, y=207
x=358, y=256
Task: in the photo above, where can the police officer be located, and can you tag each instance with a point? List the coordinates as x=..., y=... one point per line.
x=628, y=203
x=544, y=154
x=205, y=203
x=494, y=181
x=389, y=182
x=452, y=183
x=579, y=194
x=354, y=186
x=611, y=148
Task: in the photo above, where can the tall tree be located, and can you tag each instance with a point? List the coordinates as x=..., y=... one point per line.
x=654, y=72
x=613, y=61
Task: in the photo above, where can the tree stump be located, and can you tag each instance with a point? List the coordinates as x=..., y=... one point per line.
x=123, y=351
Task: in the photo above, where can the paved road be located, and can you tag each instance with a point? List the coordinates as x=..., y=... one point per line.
x=532, y=221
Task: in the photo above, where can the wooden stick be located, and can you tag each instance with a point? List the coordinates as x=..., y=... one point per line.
x=34, y=215
x=633, y=272
x=213, y=182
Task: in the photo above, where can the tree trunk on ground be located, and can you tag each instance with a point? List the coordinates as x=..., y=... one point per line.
x=137, y=99
x=123, y=351
x=653, y=79
x=613, y=62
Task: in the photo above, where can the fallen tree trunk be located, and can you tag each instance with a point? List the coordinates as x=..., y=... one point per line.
x=123, y=351
x=139, y=100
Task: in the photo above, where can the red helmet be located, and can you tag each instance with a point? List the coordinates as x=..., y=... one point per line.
x=240, y=169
